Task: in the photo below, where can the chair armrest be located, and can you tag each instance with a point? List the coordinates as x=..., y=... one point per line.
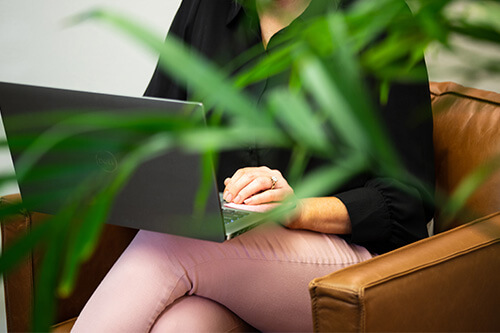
x=449, y=282
x=19, y=284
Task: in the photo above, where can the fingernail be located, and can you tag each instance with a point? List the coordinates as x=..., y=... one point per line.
x=247, y=201
x=237, y=199
x=229, y=197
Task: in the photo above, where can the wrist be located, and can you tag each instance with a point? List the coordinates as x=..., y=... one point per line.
x=295, y=216
x=327, y=215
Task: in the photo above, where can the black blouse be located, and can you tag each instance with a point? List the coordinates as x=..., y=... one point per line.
x=385, y=213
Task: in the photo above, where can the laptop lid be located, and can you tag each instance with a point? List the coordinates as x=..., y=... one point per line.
x=161, y=193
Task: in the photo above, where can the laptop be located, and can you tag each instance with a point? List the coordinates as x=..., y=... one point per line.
x=77, y=155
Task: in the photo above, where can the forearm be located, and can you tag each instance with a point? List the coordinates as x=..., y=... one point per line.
x=327, y=215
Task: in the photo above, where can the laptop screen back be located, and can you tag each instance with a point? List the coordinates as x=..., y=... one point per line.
x=79, y=141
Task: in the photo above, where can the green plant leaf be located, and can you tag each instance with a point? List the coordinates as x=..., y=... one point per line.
x=324, y=180
x=456, y=202
x=85, y=239
x=300, y=121
x=214, y=87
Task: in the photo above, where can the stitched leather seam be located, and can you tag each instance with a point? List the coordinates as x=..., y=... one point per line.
x=315, y=309
x=433, y=263
x=357, y=295
x=465, y=96
x=464, y=93
x=362, y=310
x=360, y=302
x=360, y=291
x=442, y=234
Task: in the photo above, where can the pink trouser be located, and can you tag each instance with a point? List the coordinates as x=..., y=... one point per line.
x=261, y=277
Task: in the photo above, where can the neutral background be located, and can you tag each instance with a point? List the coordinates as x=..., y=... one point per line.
x=38, y=47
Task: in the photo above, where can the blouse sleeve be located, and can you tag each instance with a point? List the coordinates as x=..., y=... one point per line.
x=387, y=213
x=161, y=85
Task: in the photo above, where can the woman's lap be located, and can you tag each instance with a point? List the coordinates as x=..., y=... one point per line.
x=261, y=276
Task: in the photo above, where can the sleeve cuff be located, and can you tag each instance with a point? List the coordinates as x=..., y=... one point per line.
x=369, y=214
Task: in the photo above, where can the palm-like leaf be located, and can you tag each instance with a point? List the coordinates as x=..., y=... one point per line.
x=328, y=57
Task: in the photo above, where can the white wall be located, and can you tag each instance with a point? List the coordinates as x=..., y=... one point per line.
x=465, y=61
x=463, y=64
x=37, y=48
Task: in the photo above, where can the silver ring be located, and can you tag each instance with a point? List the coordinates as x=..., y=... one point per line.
x=274, y=180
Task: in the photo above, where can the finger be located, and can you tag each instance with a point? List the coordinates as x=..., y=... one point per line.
x=233, y=187
x=248, y=184
x=241, y=179
x=247, y=171
x=257, y=185
x=268, y=196
x=227, y=183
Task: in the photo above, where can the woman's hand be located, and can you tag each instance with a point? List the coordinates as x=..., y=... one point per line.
x=254, y=186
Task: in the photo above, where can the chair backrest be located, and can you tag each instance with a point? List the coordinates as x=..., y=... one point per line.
x=466, y=136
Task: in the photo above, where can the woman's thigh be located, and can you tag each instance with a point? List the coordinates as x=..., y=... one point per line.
x=262, y=276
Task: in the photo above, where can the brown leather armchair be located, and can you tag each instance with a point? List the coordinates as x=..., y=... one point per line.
x=448, y=282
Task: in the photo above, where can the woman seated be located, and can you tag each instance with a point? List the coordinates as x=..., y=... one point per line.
x=260, y=278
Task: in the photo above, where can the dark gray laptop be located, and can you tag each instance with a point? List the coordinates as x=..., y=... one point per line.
x=161, y=193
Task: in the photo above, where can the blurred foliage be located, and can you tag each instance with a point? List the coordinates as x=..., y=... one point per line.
x=329, y=56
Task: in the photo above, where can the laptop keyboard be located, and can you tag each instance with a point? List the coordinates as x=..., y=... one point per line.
x=232, y=215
